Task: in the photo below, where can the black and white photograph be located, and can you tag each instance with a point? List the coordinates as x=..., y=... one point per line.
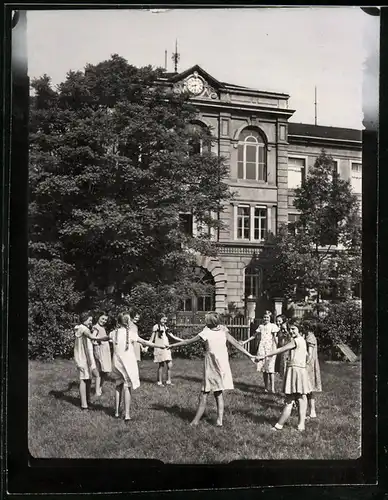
x=195, y=232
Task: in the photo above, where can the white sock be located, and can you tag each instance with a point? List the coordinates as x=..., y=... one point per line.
x=278, y=426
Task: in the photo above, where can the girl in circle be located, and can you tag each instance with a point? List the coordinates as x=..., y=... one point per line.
x=313, y=371
x=283, y=338
x=217, y=373
x=84, y=356
x=296, y=383
x=102, y=352
x=160, y=335
x=268, y=342
x=125, y=368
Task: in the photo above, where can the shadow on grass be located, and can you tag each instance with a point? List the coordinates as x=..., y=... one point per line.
x=189, y=378
x=257, y=418
x=75, y=401
x=177, y=411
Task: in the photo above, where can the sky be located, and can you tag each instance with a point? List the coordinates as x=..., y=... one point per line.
x=288, y=50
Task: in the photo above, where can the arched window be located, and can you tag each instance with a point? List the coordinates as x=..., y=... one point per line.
x=253, y=280
x=200, y=141
x=252, y=156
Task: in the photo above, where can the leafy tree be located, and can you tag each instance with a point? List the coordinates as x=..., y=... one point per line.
x=113, y=163
x=51, y=305
x=323, y=247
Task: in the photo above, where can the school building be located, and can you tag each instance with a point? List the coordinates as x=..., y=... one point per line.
x=268, y=156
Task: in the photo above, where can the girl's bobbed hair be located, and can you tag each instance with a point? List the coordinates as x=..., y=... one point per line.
x=212, y=320
x=268, y=313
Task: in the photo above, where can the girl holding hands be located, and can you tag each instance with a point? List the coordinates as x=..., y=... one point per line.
x=217, y=374
x=313, y=371
x=84, y=356
x=268, y=342
x=125, y=367
x=160, y=337
x=296, y=383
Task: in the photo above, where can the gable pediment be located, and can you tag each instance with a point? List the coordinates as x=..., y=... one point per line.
x=197, y=82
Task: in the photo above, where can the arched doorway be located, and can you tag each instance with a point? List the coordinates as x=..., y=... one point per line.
x=193, y=308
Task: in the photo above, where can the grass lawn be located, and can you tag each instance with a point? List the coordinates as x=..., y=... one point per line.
x=59, y=429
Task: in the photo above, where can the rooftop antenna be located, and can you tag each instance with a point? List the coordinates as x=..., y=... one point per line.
x=165, y=60
x=175, y=57
x=315, y=106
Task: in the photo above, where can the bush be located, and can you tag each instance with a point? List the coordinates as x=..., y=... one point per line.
x=341, y=323
x=151, y=301
x=51, y=318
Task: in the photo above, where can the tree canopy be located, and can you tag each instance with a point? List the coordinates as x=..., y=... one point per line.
x=113, y=163
x=322, y=248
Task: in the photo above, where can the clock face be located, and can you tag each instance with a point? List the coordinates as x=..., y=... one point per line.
x=195, y=85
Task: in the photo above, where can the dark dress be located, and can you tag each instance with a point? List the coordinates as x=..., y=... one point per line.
x=281, y=359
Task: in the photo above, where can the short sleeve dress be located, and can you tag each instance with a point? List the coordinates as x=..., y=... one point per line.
x=313, y=368
x=125, y=369
x=268, y=343
x=217, y=375
x=136, y=345
x=159, y=337
x=296, y=380
x=83, y=353
x=102, y=352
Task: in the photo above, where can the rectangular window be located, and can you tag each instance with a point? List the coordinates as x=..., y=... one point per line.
x=251, y=223
x=205, y=304
x=356, y=179
x=292, y=218
x=296, y=172
x=185, y=305
x=186, y=223
x=335, y=169
x=243, y=223
x=260, y=223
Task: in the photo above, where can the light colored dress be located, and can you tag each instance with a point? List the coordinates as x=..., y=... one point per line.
x=313, y=368
x=125, y=367
x=159, y=337
x=217, y=373
x=83, y=353
x=268, y=343
x=101, y=350
x=136, y=345
x=296, y=380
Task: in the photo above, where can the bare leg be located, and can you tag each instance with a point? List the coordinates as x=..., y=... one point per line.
x=118, y=392
x=220, y=407
x=98, y=384
x=160, y=373
x=311, y=404
x=168, y=365
x=88, y=389
x=83, y=393
x=302, y=400
x=285, y=413
x=127, y=403
x=271, y=381
x=201, y=408
x=265, y=377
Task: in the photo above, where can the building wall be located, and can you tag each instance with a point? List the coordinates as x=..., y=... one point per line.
x=273, y=194
x=269, y=114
